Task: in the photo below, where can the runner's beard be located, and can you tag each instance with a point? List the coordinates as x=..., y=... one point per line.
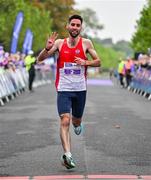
x=73, y=35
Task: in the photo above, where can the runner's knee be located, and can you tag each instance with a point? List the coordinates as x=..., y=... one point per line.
x=65, y=119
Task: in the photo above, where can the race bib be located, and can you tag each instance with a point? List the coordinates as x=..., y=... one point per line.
x=72, y=69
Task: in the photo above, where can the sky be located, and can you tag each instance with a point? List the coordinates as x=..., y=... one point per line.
x=117, y=16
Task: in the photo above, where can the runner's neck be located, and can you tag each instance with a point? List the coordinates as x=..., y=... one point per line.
x=72, y=42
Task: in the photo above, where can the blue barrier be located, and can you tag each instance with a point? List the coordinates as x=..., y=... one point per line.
x=141, y=82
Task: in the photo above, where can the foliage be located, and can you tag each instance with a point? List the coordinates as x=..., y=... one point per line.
x=141, y=39
x=108, y=56
x=6, y=20
x=60, y=11
x=123, y=46
x=44, y=16
x=91, y=23
x=49, y=15
x=40, y=24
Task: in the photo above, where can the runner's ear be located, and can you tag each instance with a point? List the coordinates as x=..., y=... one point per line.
x=67, y=26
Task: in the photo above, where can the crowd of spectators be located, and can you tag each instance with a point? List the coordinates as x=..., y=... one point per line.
x=15, y=74
x=135, y=73
x=11, y=61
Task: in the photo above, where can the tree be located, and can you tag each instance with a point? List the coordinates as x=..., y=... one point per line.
x=7, y=17
x=123, y=46
x=109, y=56
x=60, y=10
x=141, y=39
x=91, y=22
x=40, y=24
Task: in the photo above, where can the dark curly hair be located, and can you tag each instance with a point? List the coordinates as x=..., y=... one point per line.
x=75, y=16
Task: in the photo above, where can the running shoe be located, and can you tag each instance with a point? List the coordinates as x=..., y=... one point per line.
x=68, y=162
x=78, y=129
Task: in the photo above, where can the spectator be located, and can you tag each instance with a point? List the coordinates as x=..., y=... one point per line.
x=121, y=72
x=129, y=66
x=29, y=63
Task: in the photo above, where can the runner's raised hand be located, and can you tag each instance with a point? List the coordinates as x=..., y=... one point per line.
x=51, y=40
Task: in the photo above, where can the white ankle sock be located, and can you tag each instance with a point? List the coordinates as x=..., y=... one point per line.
x=68, y=154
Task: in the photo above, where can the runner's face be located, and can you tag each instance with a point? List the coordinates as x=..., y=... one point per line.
x=74, y=27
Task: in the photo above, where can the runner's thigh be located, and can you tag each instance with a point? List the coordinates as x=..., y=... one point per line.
x=63, y=102
x=78, y=104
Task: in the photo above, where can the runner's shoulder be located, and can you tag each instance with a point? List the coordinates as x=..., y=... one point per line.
x=59, y=43
x=86, y=41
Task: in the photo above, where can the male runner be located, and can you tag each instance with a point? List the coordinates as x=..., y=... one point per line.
x=70, y=82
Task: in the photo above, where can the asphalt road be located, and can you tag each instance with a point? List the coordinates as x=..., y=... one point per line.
x=116, y=137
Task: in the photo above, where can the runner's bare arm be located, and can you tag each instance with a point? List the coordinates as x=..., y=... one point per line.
x=96, y=61
x=51, y=47
x=88, y=47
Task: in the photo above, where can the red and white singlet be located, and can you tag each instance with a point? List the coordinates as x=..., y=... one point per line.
x=70, y=76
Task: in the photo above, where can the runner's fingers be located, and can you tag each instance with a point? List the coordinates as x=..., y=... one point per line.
x=77, y=58
x=54, y=36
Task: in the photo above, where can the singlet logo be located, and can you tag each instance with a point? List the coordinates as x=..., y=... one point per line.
x=66, y=52
x=77, y=51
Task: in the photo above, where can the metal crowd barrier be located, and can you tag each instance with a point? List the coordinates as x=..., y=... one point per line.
x=141, y=83
x=13, y=83
x=43, y=76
